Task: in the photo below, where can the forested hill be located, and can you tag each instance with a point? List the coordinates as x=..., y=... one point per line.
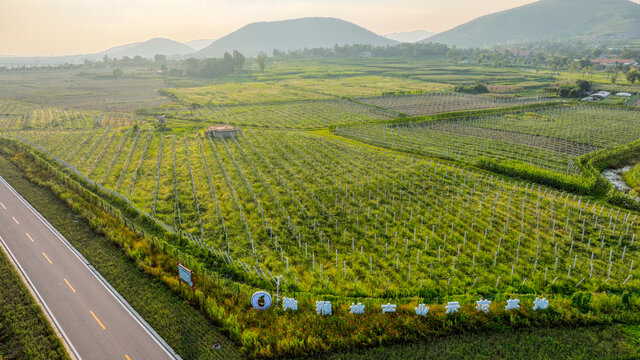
x=548, y=20
x=294, y=34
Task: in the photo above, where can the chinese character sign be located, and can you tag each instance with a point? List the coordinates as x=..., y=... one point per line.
x=422, y=310
x=323, y=307
x=512, y=304
x=452, y=307
x=289, y=304
x=483, y=305
x=356, y=308
x=540, y=304
x=388, y=308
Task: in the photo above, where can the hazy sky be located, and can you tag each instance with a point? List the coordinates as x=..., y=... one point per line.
x=60, y=27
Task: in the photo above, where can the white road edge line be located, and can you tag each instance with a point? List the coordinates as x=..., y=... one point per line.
x=40, y=299
x=148, y=329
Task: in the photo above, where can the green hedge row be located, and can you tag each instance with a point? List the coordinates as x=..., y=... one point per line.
x=574, y=183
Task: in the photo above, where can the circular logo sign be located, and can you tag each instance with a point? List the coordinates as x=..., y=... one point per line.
x=261, y=300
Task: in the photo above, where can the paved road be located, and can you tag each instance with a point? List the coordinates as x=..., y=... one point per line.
x=94, y=321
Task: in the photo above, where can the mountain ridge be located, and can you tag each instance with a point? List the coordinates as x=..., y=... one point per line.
x=548, y=20
x=293, y=34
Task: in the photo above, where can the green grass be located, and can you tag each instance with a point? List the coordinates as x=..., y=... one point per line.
x=360, y=86
x=612, y=342
x=239, y=93
x=185, y=329
x=25, y=332
x=632, y=177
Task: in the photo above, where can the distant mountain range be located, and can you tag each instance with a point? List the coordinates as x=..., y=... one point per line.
x=542, y=20
x=293, y=35
x=149, y=49
x=410, y=37
x=548, y=20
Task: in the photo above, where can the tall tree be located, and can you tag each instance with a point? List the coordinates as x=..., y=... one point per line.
x=238, y=60
x=261, y=60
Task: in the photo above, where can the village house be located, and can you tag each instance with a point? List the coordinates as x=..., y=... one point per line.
x=221, y=131
x=614, y=62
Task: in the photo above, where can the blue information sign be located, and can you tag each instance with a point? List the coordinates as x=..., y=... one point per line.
x=185, y=275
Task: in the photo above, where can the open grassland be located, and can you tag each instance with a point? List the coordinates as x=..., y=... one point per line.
x=613, y=342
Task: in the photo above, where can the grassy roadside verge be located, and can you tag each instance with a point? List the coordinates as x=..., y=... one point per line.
x=598, y=342
x=25, y=332
x=184, y=328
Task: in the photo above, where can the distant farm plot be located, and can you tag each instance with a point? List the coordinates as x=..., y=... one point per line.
x=96, y=90
x=359, y=86
x=16, y=115
x=549, y=138
x=239, y=94
x=296, y=114
x=425, y=104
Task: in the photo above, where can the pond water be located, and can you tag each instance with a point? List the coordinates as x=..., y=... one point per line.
x=614, y=176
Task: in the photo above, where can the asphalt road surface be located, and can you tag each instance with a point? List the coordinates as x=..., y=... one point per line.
x=95, y=322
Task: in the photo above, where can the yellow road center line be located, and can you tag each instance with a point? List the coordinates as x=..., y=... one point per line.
x=29, y=236
x=127, y=357
x=71, y=287
x=46, y=257
x=16, y=221
x=4, y=207
x=97, y=320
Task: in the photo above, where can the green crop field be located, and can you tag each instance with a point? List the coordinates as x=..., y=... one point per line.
x=358, y=185
x=549, y=138
x=293, y=203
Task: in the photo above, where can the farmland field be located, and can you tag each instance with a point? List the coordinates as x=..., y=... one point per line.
x=550, y=138
x=240, y=93
x=333, y=190
x=291, y=202
x=291, y=114
x=358, y=86
x=424, y=104
x=90, y=91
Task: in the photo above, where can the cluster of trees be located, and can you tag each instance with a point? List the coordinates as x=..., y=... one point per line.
x=575, y=55
x=205, y=68
x=354, y=51
x=633, y=75
x=477, y=88
x=210, y=68
x=579, y=89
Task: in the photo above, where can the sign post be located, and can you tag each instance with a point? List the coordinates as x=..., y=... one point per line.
x=185, y=276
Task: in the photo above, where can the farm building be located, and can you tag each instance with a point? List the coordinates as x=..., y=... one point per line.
x=221, y=131
x=613, y=62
